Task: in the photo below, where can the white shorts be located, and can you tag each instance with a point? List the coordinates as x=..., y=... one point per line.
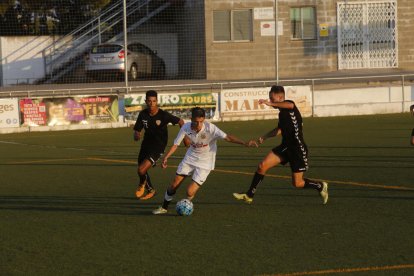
x=199, y=174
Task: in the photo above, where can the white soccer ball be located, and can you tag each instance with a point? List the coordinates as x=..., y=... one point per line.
x=184, y=207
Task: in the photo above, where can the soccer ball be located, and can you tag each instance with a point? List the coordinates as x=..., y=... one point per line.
x=184, y=207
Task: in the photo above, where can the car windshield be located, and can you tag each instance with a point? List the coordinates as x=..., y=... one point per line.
x=105, y=49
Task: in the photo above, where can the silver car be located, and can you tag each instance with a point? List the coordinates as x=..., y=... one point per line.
x=108, y=61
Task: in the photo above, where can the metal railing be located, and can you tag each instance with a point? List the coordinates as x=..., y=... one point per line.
x=68, y=51
x=104, y=88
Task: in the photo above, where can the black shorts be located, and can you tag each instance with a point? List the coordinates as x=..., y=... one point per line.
x=153, y=155
x=296, y=156
x=412, y=132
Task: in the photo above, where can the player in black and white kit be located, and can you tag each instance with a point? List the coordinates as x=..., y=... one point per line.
x=154, y=120
x=292, y=150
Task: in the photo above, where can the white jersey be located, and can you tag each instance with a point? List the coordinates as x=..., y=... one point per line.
x=203, y=148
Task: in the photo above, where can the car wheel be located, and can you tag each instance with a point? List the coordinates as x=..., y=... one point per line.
x=133, y=72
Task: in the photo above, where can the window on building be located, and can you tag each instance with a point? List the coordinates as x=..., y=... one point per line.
x=233, y=25
x=303, y=22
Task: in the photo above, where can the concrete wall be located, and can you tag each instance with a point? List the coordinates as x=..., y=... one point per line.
x=238, y=60
x=306, y=57
x=406, y=34
x=363, y=101
x=192, y=47
x=21, y=58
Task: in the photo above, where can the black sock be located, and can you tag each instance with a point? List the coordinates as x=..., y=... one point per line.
x=142, y=179
x=313, y=184
x=167, y=198
x=149, y=183
x=257, y=179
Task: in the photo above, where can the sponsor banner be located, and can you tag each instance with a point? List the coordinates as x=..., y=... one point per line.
x=9, y=113
x=178, y=104
x=246, y=100
x=71, y=110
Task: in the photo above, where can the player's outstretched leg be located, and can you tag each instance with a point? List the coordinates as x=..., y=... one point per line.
x=168, y=197
x=248, y=196
x=320, y=186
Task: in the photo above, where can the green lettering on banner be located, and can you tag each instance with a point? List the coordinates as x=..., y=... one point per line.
x=187, y=99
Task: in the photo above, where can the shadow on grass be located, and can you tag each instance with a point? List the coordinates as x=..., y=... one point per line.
x=89, y=205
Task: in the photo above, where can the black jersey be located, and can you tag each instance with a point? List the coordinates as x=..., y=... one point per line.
x=156, y=132
x=290, y=123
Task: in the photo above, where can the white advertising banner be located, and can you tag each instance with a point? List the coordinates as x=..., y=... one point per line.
x=9, y=113
x=246, y=100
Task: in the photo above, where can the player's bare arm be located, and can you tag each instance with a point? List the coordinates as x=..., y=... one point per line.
x=137, y=135
x=283, y=104
x=274, y=132
x=169, y=153
x=412, y=109
x=234, y=139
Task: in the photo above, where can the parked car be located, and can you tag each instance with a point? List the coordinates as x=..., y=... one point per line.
x=108, y=59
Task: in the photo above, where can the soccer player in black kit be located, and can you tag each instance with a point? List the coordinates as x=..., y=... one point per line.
x=292, y=150
x=154, y=120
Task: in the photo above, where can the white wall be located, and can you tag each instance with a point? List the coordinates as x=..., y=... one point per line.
x=362, y=101
x=21, y=58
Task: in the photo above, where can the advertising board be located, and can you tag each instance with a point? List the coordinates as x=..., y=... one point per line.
x=69, y=110
x=178, y=104
x=9, y=113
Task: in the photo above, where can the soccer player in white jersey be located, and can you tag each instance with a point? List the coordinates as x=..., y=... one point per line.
x=200, y=157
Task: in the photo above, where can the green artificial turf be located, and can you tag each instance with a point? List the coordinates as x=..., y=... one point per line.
x=67, y=205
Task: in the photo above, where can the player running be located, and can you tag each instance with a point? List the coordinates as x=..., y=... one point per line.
x=200, y=157
x=154, y=120
x=293, y=149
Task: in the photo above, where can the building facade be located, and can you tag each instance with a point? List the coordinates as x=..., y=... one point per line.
x=314, y=37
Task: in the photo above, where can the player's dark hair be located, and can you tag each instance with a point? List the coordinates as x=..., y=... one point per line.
x=277, y=89
x=197, y=112
x=151, y=93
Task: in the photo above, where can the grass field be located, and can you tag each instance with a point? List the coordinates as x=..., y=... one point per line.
x=67, y=206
